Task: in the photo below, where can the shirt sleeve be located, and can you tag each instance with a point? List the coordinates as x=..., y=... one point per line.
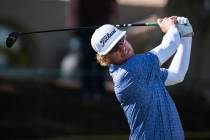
x=147, y=67
x=154, y=69
x=151, y=60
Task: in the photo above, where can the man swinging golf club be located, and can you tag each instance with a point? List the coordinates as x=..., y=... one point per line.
x=139, y=82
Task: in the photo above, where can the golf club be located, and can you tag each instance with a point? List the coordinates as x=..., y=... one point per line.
x=12, y=37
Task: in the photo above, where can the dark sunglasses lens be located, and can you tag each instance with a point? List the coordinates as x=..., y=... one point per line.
x=120, y=42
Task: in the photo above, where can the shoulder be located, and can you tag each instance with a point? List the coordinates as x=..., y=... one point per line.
x=143, y=58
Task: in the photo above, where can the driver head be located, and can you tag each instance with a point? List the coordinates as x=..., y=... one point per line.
x=11, y=39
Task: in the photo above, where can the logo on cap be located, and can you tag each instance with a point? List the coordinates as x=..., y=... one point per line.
x=107, y=37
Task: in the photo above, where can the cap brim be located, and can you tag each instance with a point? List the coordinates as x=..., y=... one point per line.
x=113, y=43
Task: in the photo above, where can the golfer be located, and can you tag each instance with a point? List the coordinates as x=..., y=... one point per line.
x=139, y=82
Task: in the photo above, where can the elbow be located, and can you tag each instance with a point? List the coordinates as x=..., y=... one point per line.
x=179, y=78
x=174, y=78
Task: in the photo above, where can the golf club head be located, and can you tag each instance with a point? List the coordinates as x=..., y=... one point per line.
x=11, y=39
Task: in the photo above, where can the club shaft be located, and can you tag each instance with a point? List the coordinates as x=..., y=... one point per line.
x=90, y=28
x=60, y=30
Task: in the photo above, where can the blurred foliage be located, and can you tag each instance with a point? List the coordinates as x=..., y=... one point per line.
x=21, y=54
x=15, y=59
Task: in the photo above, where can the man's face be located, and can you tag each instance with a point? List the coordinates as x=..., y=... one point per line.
x=121, y=52
x=126, y=50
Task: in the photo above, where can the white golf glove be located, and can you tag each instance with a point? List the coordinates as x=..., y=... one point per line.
x=184, y=26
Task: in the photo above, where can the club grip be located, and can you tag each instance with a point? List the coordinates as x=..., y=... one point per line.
x=151, y=24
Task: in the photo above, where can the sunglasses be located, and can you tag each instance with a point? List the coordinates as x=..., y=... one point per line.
x=119, y=43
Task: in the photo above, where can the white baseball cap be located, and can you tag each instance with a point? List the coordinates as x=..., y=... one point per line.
x=105, y=38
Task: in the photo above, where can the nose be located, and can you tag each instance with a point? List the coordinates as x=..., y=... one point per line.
x=121, y=43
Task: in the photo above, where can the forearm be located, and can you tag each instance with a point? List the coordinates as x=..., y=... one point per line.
x=180, y=63
x=168, y=46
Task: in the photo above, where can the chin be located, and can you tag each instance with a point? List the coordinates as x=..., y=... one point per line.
x=130, y=54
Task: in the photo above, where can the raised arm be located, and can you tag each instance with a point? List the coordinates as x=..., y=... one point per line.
x=170, y=42
x=180, y=63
